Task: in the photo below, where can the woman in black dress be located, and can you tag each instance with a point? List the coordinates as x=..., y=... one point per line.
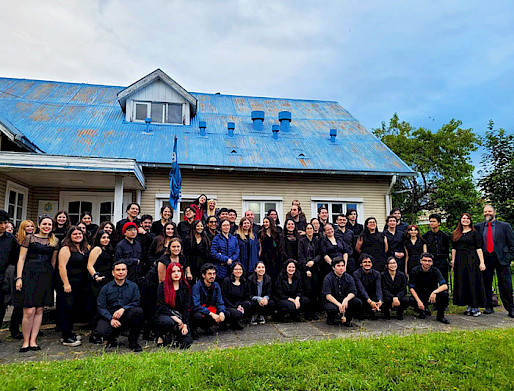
x=274, y=215
x=374, y=243
x=173, y=307
x=331, y=247
x=38, y=254
x=394, y=290
x=71, y=284
x=158, y=225
x=395, y=243
x=62, y=224
x=290, y=239
x=270, y=252
x=309, y=257
x=468, y=265
x=415, y=245
x=236, y=296
x=197, y=249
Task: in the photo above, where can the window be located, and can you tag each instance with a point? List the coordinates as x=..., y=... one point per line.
x=16, y=202
x=260, y=205
x=99, y=204
x=338, y=206
x=185, y=200
x=169, y=113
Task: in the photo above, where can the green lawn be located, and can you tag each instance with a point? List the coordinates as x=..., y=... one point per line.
x=458, y=360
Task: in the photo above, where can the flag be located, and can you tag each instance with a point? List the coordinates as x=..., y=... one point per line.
x=175, y=178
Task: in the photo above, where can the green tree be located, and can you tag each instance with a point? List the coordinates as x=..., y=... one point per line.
x=444, y=176
x=497, y=181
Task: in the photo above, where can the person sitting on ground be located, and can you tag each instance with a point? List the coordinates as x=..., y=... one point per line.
x=394, y=290
x=119, y=310
x=427, y=286
x=369, y=287
x=236, y=297
x=208, y=306
x=340, y=295
x=260, y=287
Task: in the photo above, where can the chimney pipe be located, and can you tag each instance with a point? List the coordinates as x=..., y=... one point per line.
x=231, y=126
x=275, y=129
x=333, y=135
x=148, y=121
x=202, y=125
x=258, y=119
x=285, y=120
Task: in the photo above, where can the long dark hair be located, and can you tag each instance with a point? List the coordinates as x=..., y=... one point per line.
x=273, y=229
x=113, y=235
x=232, y=278
x=295, y=233
x=83, y=214
x=169, y=290
x=203, y=235
x=67, y=242
x=284, y=268
x=457, y=234
x=161, y=239
x=173, y=240
x=98, y=237
x=67, y=225
x=274, y=210
x=197, y=202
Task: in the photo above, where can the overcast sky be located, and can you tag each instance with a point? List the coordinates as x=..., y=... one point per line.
x=429, y=61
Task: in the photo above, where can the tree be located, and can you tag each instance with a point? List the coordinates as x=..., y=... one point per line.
x=497, y=181
x=444, y=176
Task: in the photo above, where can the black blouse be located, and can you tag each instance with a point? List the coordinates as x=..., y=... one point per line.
x=182, y=302
x=234, y=294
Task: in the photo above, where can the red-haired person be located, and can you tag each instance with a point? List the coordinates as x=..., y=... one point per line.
x=173, y=306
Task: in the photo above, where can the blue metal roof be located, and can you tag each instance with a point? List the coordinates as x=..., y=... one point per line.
x=86, y=120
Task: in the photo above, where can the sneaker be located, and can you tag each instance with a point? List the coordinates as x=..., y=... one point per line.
x=261, y=319
x=488, y=311
x=476, y=313
x=71, y=342
x=253, y=321
x=95, y=339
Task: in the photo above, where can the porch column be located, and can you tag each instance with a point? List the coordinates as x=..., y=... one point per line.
x=118, y=198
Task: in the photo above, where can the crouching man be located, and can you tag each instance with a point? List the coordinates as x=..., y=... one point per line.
x=119, y=310
x=339, y=294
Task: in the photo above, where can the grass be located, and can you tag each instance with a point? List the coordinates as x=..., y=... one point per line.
x=457, y=360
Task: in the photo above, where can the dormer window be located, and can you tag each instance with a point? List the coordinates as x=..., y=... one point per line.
x=161, y=113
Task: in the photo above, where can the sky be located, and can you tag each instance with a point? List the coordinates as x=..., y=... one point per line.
x=428, y=61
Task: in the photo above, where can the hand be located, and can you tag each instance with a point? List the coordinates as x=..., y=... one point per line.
x=421, y=306
x=115, y=323
x=379, y=304
x=399, y=255
x=263, y=302
x=67, y=288
x=309, y=274
x=396, y=302
x=141, y=231
x=240, y=309
x=19, y=285
x=297, y=303
x=482, y=267
x=118, y=313
x=431, y=299
x=184, y=329
x=310, y=264
x=229, y=262
x=343, y=306
x=99, y=279
x=222, y=317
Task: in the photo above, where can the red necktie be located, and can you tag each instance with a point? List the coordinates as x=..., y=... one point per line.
x=489, y=238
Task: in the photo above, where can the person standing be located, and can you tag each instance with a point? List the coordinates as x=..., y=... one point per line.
x=498, y=249
x=129, y=251
x=438, y=244
x=132, y=213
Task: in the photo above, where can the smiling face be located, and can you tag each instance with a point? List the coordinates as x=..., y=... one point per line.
x=133, y=211
x=166, y=213
x=341, y=221
x=120, y=272
x=309, y=230
x=199, y=228
x=189, y=213
x=86, y=220
x=250, y=215
x=465, y=221
x=273, y=215
x=170, y=231
x=212, y=205
x=366, y=264
x=323, y=214
x=146, y=224
x=413, y=232
x=260, y=269
x=237, y=271
x=290, y=225
x=82, y=226
x=212, y=223
x=45, y=226
x=29, y=229
x=329, y=231
x=294, y=211
x=109, y=228
x=61, y=219
x=489, y=213
x=397, y=214
x=77, y=236
x=391, y=222
x=209, y=276
x=392, y=265
x=290, y=268
x=131, y=232
x=246, y=225
x=315, y=224
x=265, y=223
x=426, y=263
x=232, y=217
x=105, y=239
x=372, y=224
x=225, y=227
x=175, y=248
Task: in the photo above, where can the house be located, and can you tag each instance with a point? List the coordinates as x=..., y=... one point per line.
x=91, y=147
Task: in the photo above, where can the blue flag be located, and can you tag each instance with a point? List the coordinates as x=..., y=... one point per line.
x=175, y=178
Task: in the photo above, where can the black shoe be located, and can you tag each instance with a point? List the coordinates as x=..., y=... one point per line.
x=488, y=311
x=467, y=312
x=17, y=335
x=194, y=334
x=511, y=314
x=428, y=313
x=135, y=347
x=443, y=320
x=111, y=344
x=210, y=331
x=387, y=315
x=95, y=339
x=315, y=316
x=35, y=348
x=399, y=315
x=333, y=322
x=24, y=349
x=422, y=315
x=237, y=326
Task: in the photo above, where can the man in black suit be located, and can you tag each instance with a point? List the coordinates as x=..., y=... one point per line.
x=498, y=248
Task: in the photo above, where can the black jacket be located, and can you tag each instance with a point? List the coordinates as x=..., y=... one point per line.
x=182, y=302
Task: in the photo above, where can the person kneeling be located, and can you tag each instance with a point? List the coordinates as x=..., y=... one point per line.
x=173, y=305
x=427, y=286
x=339, y=293
x=289, y=293
x=119, y=310
x=394, y=290
x=236, y=296
x=208, y=306
x=369, y=287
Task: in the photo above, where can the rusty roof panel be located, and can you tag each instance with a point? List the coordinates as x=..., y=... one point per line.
x=86, y=120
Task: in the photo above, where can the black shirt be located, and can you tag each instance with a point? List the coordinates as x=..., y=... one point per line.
x=131, y=254
x=369, y=285
x=338, y=287
x=9, y=250
x=394, y=288
x=183, y=229
x=438, y=244
x=347, y=238
x=234, y=294
x=182, y=302
x=428, y=281
x=112, y=297
x=284, y=290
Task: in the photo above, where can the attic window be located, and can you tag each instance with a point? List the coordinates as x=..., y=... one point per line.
x=233, y=151
x=161, y=113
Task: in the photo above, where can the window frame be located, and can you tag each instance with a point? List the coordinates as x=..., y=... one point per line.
x=96, y=198
x=19, y=189
x=359, y=202
x=161, y=197
x=262, y=200
x=164, y=114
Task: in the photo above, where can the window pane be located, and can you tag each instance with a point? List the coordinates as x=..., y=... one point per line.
x=74, y=207
x=157, y=112
x=106, y=208
x=174, y=113
x=141, y=111
x=105, y=218
x=11, y=211
x=12, y=197
x=20, y=199
x=86, y=206
x=337, y=208
x=351, y=206
x=19, y=212
x=269, y=205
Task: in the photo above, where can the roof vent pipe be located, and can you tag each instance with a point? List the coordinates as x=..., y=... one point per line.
x=333, y=135
x=275, y=129
x=231, y=126
x=148, y=121
x=258, y=119
x=202, y=125
x=285, y=119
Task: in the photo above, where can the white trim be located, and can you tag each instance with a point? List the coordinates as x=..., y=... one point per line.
x=19, y=189
x=358, y=201
x=95, y=197
x=262, y=198
x=338, y=199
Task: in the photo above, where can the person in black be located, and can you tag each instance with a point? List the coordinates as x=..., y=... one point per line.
x=91, y=228
x=369, y=287
x=345, y=234
x=414, y=246
x=165, y=217
x=373, y=242
x=323, y=218
x=273, y=214
x=340, y=295
x=401, y=226
x=394, y=290
x=289, y=239
x=295, y=214
x=119, y=310
x=270, y=253
x=212, y=227
x=438, y=244
x=146, y=239
x=357, y=228
x=232, y=217
x=9, y=250
x=184, y=227
x=236, y=296
x=173, y=307
x=62, y=224
x=208, y=307
x=331, y=247
x=395, y=243
x=197, y=249
x=260, y=289
x=309, y=257
x=427, y=286
x=289, y=293
x=132, y=213
x=129, y=251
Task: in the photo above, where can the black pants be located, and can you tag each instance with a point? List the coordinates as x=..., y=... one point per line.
x=266, y=310
x=504, y=281
x=236, y=316
x=131, y=320
x=354, y=307
x=206, y=321
x=69, y=306
x=441, y=301
x=165, y=325
x=388, y=302
x=366, y=308
x=93, y=289
x=288, y=308
x=442, y=265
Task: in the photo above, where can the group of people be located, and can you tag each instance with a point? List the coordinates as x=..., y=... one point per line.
x=172, y=282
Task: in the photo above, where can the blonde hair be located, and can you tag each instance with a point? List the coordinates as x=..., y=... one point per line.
x=240, y=229
x=213, y=213
x=20, y=236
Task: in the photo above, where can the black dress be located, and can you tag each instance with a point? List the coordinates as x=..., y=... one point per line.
x=414, y=251
x=271, y=256
x=197, y=254
x=374, y=245
x=37, y=289
x=468, y=286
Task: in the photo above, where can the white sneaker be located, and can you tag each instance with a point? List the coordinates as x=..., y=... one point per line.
x=253, y=321
x=476, y=313
x=261, y=319
x=71, y=342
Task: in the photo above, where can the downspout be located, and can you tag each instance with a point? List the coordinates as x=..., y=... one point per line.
x=388, y=194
